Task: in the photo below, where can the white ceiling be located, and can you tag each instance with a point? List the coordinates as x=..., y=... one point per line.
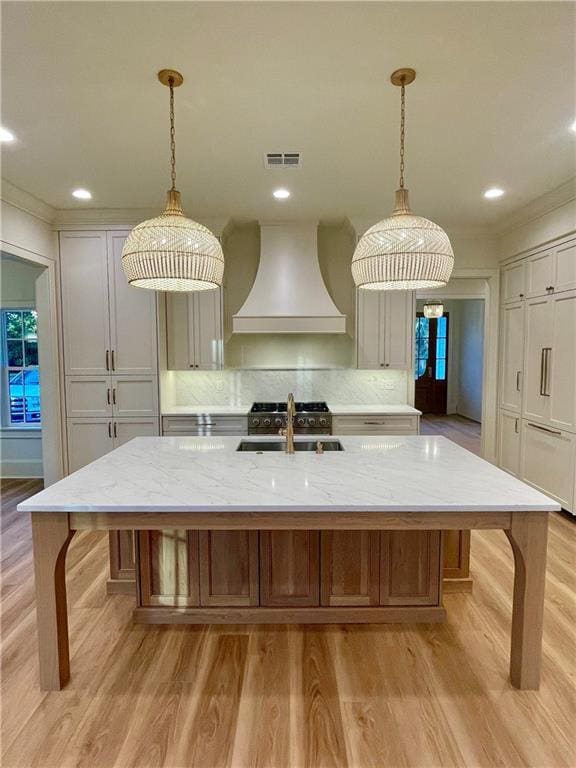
x=492, y=104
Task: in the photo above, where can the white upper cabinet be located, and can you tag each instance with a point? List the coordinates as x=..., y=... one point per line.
x=108, y=325
x=512, y=356
x=561, y=365
x=384, y=329
x=399, y=329
x=540, y=274
x=513, y=282
x=133, y=341
x=552, y=271
x=85, y=311
x=565, y=277
x=369, y=325
x=194, y=330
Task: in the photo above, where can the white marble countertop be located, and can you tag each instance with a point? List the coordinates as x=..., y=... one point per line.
x=206, y=410
x=200, y=474
x=337, y=409
x=345, y=409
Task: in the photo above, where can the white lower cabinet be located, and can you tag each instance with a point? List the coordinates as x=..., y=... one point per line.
x=204, y=425
x=90, y=438
x=389, y=424
x=548, y=461
x=125, y=430
x=509, y=442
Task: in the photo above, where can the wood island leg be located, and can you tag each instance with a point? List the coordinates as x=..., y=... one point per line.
x=51, y=536
x=528, y=536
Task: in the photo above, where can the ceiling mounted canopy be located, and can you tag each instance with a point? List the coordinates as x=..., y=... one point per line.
x=433, y=309
x=404, y=251
x=171, y=252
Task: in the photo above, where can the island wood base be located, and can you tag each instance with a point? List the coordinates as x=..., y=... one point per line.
x=122, y=581
x=526, y=531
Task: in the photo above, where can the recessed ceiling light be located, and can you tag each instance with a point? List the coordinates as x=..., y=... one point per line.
x=281, y=194
x=82, y=194
x=493, y=193
x=6, y=135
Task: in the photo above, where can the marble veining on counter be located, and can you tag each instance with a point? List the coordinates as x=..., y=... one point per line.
x=203, y=474
x=206, y=410
x=347, y=409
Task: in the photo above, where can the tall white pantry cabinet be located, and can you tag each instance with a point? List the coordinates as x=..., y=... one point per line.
x=537, y=416
x=110, y=344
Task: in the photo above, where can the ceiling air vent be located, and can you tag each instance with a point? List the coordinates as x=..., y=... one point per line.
x=282, y=160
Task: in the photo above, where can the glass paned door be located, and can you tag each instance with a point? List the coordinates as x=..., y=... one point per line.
x=431, y=363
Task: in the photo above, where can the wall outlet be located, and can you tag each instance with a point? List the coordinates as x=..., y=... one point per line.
x=390, y=385
x=219, y=385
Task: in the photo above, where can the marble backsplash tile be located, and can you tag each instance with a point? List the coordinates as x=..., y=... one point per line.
x=243, y=387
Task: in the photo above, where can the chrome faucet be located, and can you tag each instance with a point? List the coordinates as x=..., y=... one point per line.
x=288, y=431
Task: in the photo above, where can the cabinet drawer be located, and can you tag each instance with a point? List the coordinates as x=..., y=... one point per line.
x=548, y=461
x=375, y=425
x=134, y=396
x=204, y=425
x=88, y=396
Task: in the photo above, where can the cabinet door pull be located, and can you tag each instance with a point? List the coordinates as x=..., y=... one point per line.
x=516, y=426
x=542, y=355
x=113, y=361
x=107, y=360
x=375, y=423
x=108, y=395
x=115, y=429
x=114, y=395
x=518, y=373
x=109, y=429
x=545, y=429
x=547, y=351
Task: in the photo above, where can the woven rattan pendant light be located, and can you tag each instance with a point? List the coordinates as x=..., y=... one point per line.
x=404, y=251
x=171, y=252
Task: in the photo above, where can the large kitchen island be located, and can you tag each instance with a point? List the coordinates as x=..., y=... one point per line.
x=256, y=535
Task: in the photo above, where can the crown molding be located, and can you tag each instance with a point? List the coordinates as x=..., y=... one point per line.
x=540, y=206
x=26, y=202
x=119, y=218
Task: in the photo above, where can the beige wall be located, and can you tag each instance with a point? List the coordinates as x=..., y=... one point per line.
x=17, y=283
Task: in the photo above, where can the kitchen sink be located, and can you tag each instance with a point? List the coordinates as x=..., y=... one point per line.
x=263, y=446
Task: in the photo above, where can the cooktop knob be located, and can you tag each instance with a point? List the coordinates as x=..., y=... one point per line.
x=301, y=422
x=256, y=422
x=278, y=422
x=267, y=422
x=312, y=421
x=323, y=422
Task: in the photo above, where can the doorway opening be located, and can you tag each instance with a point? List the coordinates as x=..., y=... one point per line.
x=449, y=365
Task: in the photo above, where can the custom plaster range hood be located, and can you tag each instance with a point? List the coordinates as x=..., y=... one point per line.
x=289, y=295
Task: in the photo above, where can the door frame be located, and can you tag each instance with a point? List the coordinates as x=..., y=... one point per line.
x=49, y=351
x=490, y=294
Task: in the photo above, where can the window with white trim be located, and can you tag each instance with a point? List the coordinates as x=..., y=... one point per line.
x=20, y=368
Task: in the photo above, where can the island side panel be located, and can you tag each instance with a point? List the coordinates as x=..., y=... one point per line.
x=287, y=571
x=350, y=568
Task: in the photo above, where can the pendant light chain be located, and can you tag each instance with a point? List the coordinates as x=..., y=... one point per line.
x=172, y=134
x=402, y=124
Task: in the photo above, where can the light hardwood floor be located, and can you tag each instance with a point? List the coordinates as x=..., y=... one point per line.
x=383, y=696
x=459, y=429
